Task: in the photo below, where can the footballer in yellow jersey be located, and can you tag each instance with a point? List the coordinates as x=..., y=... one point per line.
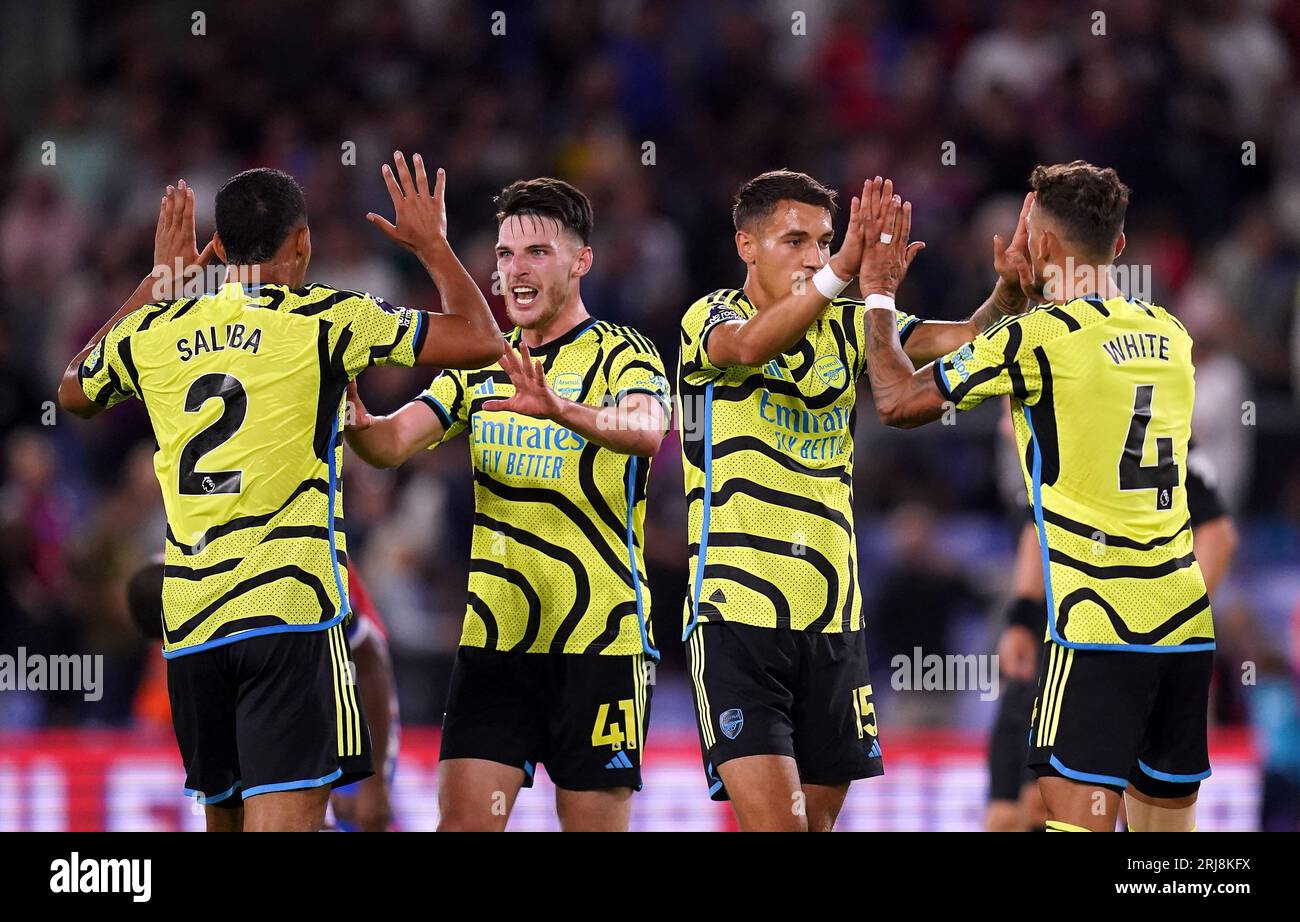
x=767, y=382
x=1014, y=806
x=1101, y=387
x=556, y=649
x=245, y=389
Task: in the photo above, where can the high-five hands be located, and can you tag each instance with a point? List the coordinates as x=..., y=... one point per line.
x=845, y=263
x=421, y=215
x=1011, y=260
x=886, y=228
x=175, y=252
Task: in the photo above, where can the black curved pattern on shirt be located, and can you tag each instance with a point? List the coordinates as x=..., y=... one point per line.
x=778, y=498
x=613, y=624
x=581, y=582
x=589, y=528
x=247, y=521
x=811, y=556
x=750, y=581
x=534, y=624
x=1121, y=629
x=265, y=578
x=751, y=443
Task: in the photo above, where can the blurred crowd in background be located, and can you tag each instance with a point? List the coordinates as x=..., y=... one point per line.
x=658, y=111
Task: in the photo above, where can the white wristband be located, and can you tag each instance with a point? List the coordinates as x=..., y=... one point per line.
x=828, y=283
x=880, y=302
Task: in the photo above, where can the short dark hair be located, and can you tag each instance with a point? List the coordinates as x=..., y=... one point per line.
x=547, y=197
x=1090, y=202
x=758, y=198
x=256, y=210
x=144, y=599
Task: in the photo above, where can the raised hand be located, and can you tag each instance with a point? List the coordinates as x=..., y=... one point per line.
x=533, y=396
x=845, y=263
x=175, y=252
x=421, y=215
x=1011, y=260
x=887, y=250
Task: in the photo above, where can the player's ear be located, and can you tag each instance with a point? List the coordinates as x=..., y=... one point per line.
x=745, y=247
x=220, y=248
x=302, y=245
x=1046, y=244
x=582, y=265
x=1119, y=245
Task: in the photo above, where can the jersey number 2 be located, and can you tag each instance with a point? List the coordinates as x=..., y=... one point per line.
x=235, y=407
x=1133, y=475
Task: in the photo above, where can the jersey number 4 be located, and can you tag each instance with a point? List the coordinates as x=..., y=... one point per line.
x=1133, y=474
x=234, y=398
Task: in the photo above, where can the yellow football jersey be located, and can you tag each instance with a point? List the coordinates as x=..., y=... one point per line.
x=557, y=555
x=767, y=455
x=245, y=389
x=1102, y=395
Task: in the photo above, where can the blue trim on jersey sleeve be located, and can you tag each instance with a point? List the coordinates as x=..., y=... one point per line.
x=434, y=404
x=1167, y=776
x=294, y=785
x=1087, y=776
x=631, y=562
x=941, y=378
x=417, y=342
x=702, y=554
x=1037, y=487
x=907, y=330
x=215, y=798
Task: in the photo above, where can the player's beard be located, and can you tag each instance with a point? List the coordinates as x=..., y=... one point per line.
x=552, y=298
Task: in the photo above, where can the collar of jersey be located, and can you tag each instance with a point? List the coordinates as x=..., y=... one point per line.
x=550, y=346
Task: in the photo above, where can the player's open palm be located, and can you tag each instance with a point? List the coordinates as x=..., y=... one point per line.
x=533, y=396
x=888, y=251
x=847, y=261
x=420, y=213
x=174, y=237
x=1011, y=259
